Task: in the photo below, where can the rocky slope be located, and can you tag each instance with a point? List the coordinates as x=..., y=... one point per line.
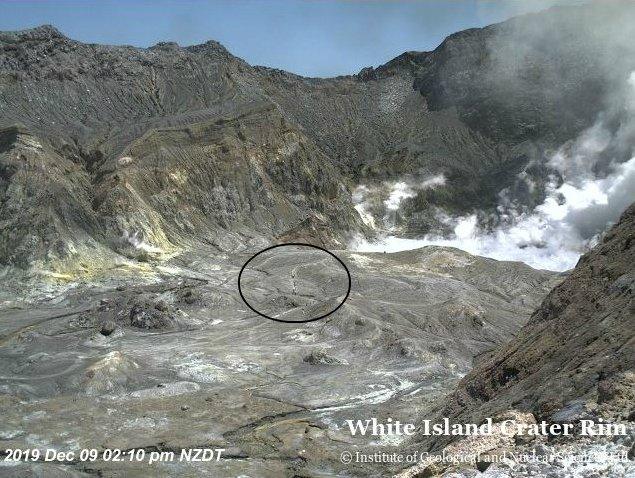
x=137, y=152
x=77, y=113
x=485, y=106
x=574, y=359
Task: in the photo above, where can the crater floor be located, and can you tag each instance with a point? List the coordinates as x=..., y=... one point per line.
x=174, y=359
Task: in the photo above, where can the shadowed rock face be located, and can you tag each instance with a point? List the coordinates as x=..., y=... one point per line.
x=575, y=351
x=538, y=77
x=168, y=146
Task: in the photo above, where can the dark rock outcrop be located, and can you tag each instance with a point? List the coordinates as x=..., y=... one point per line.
x=577, y=347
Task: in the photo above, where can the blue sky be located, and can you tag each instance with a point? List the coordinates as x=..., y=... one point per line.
x=308, y=37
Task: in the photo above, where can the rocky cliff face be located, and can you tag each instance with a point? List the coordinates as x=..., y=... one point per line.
x=485, y=107
x=148, y=152
x=577, y=345
x=573, y=360
x=295, y=145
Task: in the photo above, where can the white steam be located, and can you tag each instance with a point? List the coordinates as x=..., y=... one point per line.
x=399, y=192
x=591, y=195
x=552, y=237
x=359, y=195
x=392, y=195
x=137, y=242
